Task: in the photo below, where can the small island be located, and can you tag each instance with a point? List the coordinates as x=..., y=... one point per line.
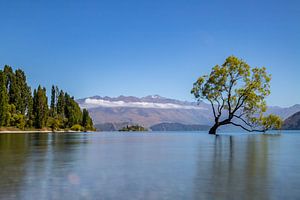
x=133, y=128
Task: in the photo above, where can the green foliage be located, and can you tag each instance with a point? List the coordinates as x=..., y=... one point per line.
x=53, y=103
x=23, y=92
x=77, y=127
x=54, y=123
x=3, y=100
x=29, y=111
x=19, y=108
x=60, y=105
x=40, y=107
x=72, y=111
x=237, y=93
x=18, y=120
x=68, y=111
x=133, y=128
x=15, y=98
x=87, y=121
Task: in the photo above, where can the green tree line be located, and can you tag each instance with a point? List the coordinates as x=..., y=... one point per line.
x=21, y=108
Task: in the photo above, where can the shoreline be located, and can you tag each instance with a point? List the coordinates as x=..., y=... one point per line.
x=37, y=131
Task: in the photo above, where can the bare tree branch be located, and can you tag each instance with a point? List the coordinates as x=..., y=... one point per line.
x=247, y=123
x=249, y=130
x=213, y=107
x=222, y=106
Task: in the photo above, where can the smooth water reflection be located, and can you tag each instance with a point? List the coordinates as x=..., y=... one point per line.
x=149, y=166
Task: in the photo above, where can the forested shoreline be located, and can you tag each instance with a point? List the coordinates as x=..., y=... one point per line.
x=22, y=109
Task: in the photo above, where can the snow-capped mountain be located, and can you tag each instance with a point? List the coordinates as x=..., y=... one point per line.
x=145, y=111
x=153, y=101
x=154, y=109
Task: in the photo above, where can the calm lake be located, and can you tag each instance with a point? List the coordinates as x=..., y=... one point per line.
x=174, y=165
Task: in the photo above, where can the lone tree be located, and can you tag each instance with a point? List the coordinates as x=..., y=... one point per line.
x=237, y=95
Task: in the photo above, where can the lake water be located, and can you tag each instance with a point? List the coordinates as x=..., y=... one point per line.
x=177, y=165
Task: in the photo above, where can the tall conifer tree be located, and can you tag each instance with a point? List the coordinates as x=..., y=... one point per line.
x=3, y=100
x=40, y=107
x=53, y=102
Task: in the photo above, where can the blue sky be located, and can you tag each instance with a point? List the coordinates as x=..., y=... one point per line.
x=137, y=47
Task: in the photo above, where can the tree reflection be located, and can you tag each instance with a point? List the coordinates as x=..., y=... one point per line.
x=13, y=151
x=233, y=168
x=30, y=160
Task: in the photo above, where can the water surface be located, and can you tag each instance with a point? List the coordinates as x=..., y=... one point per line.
x=175, y=165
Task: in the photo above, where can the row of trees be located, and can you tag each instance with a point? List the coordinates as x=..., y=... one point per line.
x=22, y=109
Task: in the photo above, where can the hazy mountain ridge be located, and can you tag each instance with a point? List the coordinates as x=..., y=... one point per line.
x=292, y=123
x=146, y=111
x=283, y=112
x=179, y=127
x=154, y=109
x=112, y=126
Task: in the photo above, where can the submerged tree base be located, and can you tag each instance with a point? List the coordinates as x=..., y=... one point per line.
x=213, y=130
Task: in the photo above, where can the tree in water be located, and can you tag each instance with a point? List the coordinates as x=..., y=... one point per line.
x=237, y=95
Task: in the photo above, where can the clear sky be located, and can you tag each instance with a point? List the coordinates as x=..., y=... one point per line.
x=142, y=47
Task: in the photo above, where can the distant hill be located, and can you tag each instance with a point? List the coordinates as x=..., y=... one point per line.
x=109, y=112
x=283, y=112
x=292, y=123
x=178, y=127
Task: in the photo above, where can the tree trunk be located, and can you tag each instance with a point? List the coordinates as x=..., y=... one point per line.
x=213, y=130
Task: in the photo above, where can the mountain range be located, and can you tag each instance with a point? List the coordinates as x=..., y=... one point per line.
x=293, y=122
x=179, y=127
x=151, y=110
